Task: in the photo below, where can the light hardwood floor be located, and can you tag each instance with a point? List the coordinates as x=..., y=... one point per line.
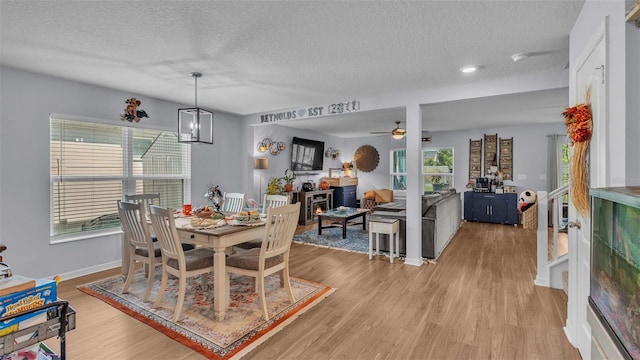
x=477, y=302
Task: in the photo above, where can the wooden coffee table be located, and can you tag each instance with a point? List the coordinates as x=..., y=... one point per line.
x=342, y=218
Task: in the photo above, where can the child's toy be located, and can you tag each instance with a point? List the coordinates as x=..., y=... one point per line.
x=527, y=199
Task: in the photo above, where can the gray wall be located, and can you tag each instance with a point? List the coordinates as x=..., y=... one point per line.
x=529, y=153
x=27, y=99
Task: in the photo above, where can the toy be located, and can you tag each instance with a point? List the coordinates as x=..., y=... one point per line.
x=526, y=200
x=131, y=112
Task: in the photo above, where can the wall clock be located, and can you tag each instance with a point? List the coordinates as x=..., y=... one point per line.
x=367, y=158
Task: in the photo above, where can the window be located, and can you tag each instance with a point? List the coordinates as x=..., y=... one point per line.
x=93, y=165
x=398, y=170
x=437, y=169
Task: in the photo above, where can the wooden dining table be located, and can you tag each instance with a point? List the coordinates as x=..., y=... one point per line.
x=219, y=239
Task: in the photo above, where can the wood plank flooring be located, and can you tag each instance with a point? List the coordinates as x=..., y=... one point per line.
x=477, y=302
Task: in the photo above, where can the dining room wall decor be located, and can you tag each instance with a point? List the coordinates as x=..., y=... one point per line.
x=270, y=146
x=475, y=158
x=506, y=158
x=490, y=153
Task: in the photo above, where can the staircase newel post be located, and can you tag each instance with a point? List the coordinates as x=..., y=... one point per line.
x=542, y=235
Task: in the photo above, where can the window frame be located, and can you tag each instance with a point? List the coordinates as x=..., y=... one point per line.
x=425, y=175
x=128, y=180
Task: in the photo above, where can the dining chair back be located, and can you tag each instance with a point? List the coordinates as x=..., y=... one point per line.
x=138, y=243
x=273, y=255
x=175, y=261
x=146, y=199
x=233, y=202
x=274, y=201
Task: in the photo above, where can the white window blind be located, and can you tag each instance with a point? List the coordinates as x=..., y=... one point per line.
x=93, y=165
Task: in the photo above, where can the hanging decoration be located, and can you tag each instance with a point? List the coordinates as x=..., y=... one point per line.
x=267, y=145
x=579, y=121
x=332, y=153
x=131, y=112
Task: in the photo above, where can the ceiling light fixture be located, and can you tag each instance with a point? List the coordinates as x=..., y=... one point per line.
x=468, y=68
x=195, y=125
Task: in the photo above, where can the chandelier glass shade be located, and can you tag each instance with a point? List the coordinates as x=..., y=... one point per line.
x=195, y=125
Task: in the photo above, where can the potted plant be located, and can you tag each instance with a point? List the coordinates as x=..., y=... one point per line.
x=274, y=186
x=437, y=183
x=288, y=179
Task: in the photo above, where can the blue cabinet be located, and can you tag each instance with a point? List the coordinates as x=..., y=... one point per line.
x=344, y=196
x=491, y=207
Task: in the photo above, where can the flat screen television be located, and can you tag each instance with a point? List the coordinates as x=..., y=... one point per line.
x=615, y=265
x=306, y=155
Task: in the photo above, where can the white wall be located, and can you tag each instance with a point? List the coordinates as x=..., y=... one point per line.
x=633, y=104
x=27, y=100
x=590, y=18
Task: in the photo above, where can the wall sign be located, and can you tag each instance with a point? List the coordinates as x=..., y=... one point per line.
x=312, y=112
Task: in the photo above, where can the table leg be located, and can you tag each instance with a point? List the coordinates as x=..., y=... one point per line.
x=220, y=284
x=125, y=257
x=364, y=221
x=319, y=225
x=344, y=228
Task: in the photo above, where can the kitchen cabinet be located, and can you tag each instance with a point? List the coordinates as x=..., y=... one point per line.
x=344, y=196
x=491, y=207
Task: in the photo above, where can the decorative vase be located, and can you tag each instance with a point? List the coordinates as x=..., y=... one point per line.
x=324, y=185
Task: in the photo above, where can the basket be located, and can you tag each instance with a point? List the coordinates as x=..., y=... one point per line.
x=530, y=217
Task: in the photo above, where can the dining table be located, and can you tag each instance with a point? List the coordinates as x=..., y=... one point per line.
x=220, y=239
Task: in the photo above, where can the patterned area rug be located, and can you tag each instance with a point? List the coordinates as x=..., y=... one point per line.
x=242, y=330
x=357, y=239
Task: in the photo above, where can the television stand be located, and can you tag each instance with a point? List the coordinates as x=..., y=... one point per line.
x=310, y=201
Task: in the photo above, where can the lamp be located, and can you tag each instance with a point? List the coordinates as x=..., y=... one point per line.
x=260, y=164
x=195, y=125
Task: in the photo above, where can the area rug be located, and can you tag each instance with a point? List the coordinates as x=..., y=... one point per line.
x=357, y=239
x=243, y=328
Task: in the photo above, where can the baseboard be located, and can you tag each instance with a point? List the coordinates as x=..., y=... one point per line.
x=88, y=270
x=414, y=262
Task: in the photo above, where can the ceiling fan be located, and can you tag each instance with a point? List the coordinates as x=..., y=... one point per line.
x=397, y=133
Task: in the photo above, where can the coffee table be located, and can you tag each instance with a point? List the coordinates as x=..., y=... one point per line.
x=342, y=217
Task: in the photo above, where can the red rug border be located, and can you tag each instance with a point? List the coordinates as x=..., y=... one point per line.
x=184, y=340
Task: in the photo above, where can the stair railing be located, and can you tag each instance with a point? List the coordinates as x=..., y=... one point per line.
x=554, y=200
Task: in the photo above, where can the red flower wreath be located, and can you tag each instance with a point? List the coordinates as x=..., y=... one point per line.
x=578, y=120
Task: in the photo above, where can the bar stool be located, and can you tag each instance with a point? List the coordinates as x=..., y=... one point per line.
x=390, y=227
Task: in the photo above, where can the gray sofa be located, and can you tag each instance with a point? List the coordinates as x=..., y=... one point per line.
x=441, y=218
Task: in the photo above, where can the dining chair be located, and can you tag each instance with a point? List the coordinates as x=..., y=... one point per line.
x=274, y=201
x=233, y=202
x=138, y=242
x=175, y=261
x=148, y=200
x=272, y=256
x=269, y=202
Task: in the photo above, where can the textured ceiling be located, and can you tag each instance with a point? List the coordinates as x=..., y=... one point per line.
x=268, y=55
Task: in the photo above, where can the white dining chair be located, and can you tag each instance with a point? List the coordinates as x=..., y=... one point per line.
x=146, y=199
x=274, y=201
x=138, y=244
x=270, y=201
x=233, y=202
x=175, y=261
x=273, y=254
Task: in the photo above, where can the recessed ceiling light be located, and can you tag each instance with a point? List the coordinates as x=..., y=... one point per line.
x=469, y=68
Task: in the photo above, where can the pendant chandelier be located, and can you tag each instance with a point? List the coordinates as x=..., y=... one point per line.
x=195, y=125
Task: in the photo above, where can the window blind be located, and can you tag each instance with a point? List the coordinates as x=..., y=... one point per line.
x=93, y=165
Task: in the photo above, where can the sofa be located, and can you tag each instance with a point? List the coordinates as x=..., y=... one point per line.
x=441, y=218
